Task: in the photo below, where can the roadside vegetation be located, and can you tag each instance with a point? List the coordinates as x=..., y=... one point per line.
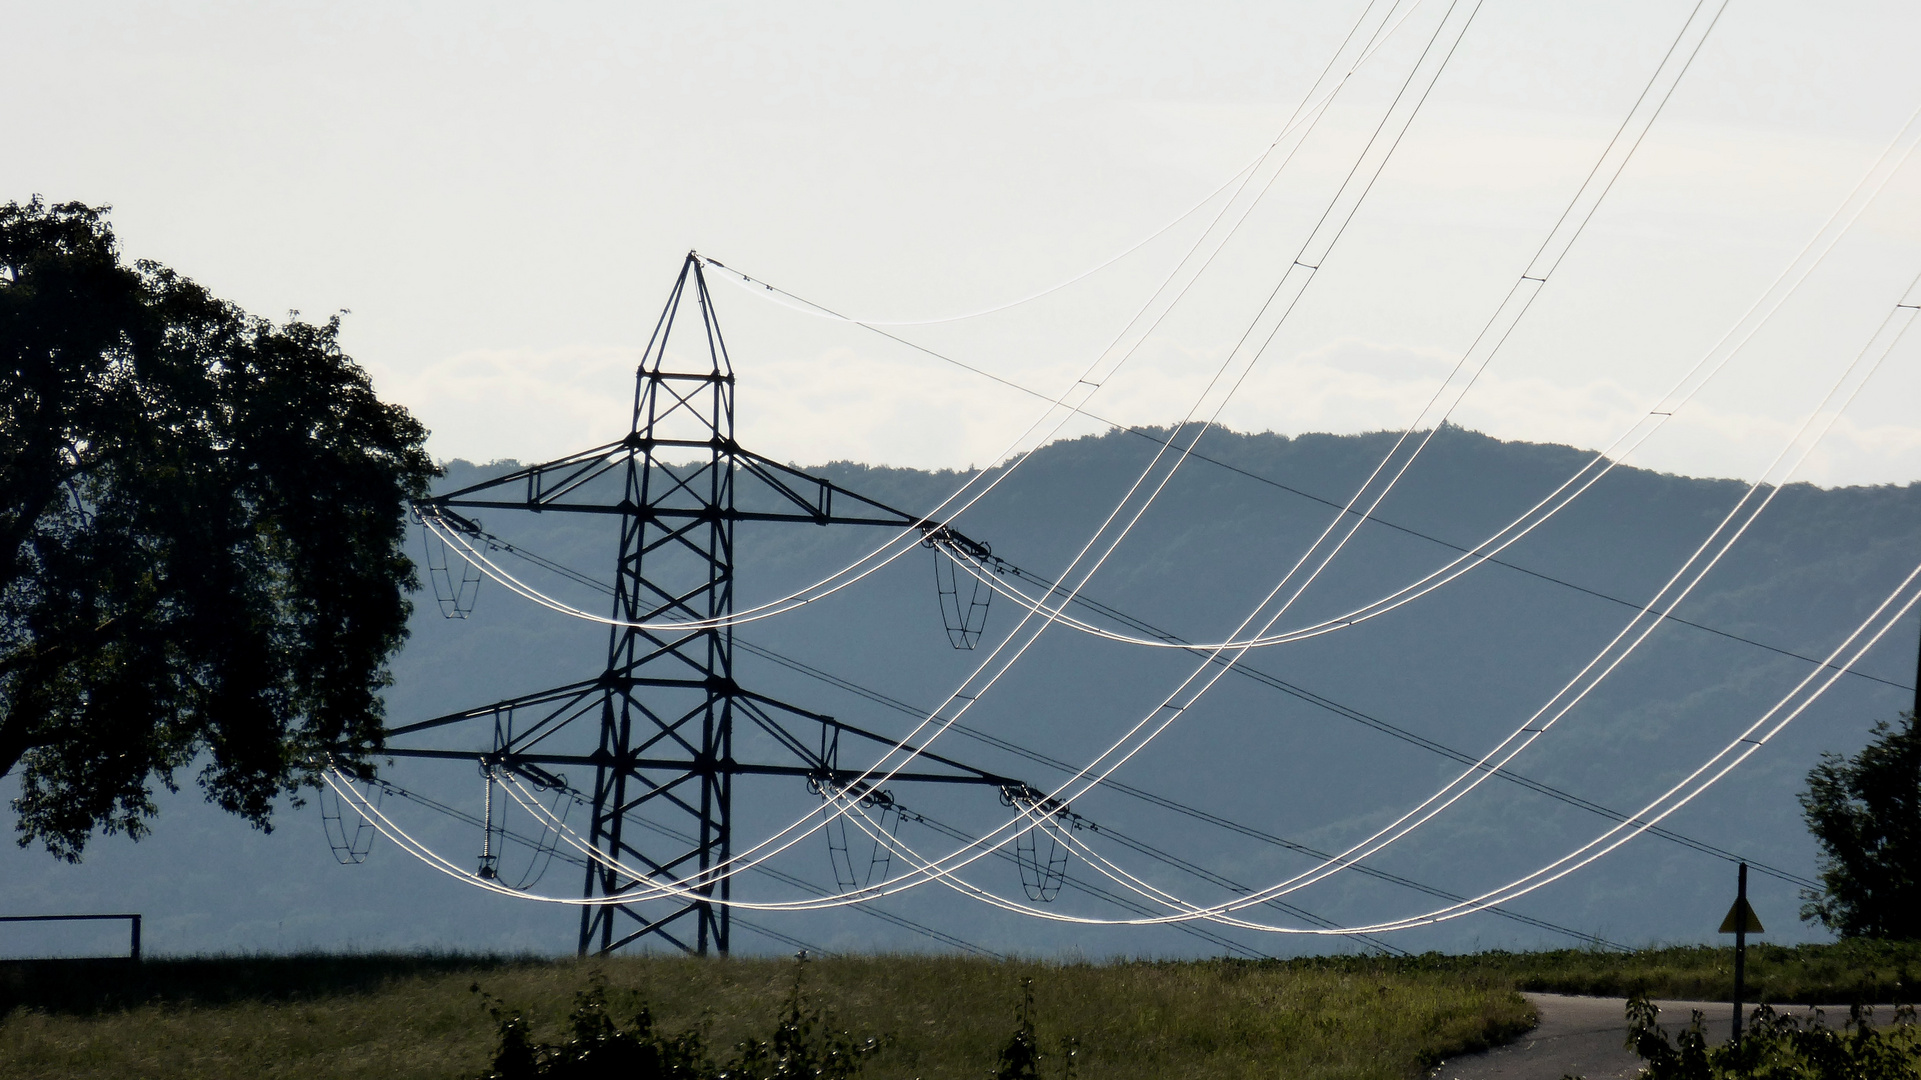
x=929, y=1016
x=1780, y=1047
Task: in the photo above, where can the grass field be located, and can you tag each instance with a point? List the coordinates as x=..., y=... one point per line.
x=417, y=1016
x=938, y=1017
x=1851, y=971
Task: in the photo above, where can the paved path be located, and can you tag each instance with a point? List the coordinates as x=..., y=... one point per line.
x=1585, y=1036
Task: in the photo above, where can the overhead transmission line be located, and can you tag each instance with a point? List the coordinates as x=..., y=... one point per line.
x=1162, y=801
x=1697, y=579
x=1312, y=698
x=1427, y=810
x=877, y=697
x=1718, y=766
x=1346, y=509
x=1332, y=224
x=790, y=880
x=1847, y=386
x=1240, y=177
x=1566, y=231
x=1312, y=255
x=802, y=885
x=1481, y=902
x=408, y=844
x=1526, y=288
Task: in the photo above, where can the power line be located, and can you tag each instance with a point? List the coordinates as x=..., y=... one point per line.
x=1225, y=882
x=785, y=939
x=1836, y=401
x=1192, y=929
x=1243, y=669
x=1450, y=545
x=812, y=889
x=1137, y=845
x=766, y=871
x=1385, y=727
x=1147, y=796
x=1247, y=671
x=1343, y=507
x=1313, y=265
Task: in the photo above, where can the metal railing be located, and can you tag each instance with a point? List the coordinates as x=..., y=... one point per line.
x=133, y=937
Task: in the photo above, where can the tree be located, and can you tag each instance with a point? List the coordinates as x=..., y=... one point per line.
x=1866, y=814
x=201, y=529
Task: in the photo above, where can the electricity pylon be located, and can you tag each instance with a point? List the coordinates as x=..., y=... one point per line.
x=665, y=706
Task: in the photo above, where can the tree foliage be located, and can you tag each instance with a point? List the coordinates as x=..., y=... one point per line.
x=201, y=528
x=1866, y=813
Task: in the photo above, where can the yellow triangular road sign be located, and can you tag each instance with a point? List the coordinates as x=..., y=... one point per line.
x=1741, y=918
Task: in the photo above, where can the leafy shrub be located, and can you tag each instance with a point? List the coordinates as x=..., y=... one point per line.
x=1778, y=1047
x=599, y=1047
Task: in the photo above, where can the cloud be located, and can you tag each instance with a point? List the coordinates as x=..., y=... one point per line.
x=525, y=404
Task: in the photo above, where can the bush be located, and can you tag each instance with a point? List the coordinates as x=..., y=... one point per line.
x=1779, y=1047
x=804, y=1044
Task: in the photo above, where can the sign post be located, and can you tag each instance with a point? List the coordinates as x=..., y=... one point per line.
x=1741, y=922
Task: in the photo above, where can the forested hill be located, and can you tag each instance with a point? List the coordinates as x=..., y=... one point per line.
x=1335, y=736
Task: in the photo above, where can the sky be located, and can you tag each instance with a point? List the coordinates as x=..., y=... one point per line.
x=500, y=196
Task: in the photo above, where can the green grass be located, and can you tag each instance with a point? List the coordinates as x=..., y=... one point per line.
x=939, y=1016
x=1868, y=972
x=415, y=1015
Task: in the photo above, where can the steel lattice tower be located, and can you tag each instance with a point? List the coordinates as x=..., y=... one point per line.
x=667, y=702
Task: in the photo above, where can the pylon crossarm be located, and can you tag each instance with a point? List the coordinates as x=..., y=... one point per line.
x=569, y=694
x=787, y=739
x=784, y=481
x=821, y=509
x=848, y=777
x=544, y=482
x=840, y=777
x=969, y=773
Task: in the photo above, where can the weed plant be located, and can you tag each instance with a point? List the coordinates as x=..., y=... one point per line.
x=805, y=1043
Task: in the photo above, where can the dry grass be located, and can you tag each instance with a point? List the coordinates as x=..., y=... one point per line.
x=939, y=1016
